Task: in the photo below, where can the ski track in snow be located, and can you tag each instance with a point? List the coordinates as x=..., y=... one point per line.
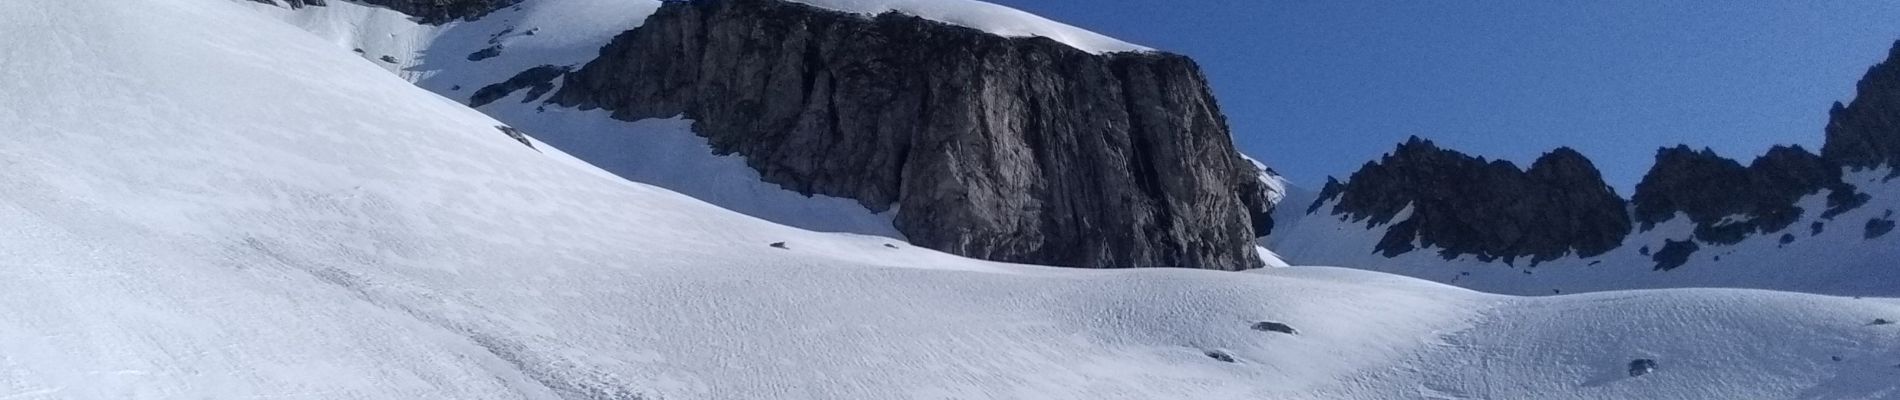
x=204, y=202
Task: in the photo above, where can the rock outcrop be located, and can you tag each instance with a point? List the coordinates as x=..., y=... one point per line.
x=433, y=12
x=1463, y=205
x=1008, y=149
x=1866, y=133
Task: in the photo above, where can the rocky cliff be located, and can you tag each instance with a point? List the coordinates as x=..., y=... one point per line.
x=1463, y=205
x=1009, y=149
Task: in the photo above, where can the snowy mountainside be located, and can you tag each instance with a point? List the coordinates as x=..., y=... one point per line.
x=849, y=149
x=450, y=59
x=178, y=230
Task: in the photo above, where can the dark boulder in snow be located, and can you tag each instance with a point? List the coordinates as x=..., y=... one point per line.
x=485, y=53
x=1881, y=321
x=781, y=245
x=1009, y=149
x=1878, y=227
x=1466, y=205
x=1674, y=254
x=1220, y=355
x=1270, y=326
x=517, y=135
x=1642, y=366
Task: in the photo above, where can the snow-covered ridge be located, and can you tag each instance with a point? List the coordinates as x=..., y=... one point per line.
x=987, y=17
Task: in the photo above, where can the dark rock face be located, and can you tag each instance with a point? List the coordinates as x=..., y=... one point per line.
x=1866, y=133
x=1009, y=149
x=433, y=12
x=1491, y=209
x=1728, y=202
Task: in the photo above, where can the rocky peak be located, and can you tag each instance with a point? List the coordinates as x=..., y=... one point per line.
x=1701, y=184
x=1010, y=149
x=1727, y=201
x=1866, y=133
x=1466, y=205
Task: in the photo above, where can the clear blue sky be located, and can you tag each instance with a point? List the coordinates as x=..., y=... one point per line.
x=1318, y=87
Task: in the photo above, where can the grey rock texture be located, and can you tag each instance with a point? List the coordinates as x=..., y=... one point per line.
x=1008, y=149
x=1465, y=205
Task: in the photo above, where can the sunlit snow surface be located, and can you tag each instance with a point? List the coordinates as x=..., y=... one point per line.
x=987, y=17
x=202, y=202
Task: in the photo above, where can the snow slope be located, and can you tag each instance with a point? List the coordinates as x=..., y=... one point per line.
x=569, y=33
x=203, y=202
x=1837, y=260
x=658, y=152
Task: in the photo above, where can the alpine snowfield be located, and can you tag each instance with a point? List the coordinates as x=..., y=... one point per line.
x=202, y=201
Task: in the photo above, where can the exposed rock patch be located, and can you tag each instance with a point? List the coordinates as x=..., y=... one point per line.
x=432, y=12
x=1642, y=366
x=1270, y=326
x=538, y=80
x=1878, y=227
x=1674, y=254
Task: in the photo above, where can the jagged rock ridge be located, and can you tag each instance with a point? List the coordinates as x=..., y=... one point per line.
x=1728, y=202
x=1724, y=200
x=1465, y=205
x=1010, y=149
